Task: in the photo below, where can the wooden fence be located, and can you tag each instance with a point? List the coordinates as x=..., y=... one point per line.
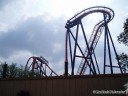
x=64, y=86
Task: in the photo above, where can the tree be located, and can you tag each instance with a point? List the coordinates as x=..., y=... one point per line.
x=14, y=71
x=123, y=38
x=1, y=69
x=123, y=59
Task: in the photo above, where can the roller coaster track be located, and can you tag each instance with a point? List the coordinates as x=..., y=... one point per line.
x=96, y=33
x=40, y=65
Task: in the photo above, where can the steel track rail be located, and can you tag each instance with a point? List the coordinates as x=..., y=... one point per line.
x=97, y=31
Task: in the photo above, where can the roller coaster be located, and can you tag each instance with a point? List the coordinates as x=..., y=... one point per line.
x=87, y=57
x=39, y=65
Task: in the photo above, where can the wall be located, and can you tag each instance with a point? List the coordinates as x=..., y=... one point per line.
x=63, y=86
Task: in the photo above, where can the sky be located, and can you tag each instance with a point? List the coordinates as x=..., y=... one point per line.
x=37, y=28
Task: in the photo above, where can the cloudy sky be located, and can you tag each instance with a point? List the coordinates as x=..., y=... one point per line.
x=36, y=27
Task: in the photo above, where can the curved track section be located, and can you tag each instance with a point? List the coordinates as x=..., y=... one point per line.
x=108, y=15
x=38, y=66
x=101, y=9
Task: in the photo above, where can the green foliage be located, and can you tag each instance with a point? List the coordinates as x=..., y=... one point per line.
x=123, y=59
x=14, y=71
x=20, y=71
x=1, y=69
x=123, y=37
x=31, y=74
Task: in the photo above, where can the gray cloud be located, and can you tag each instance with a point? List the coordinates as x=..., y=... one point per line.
x=3, y=3
x=37, y=35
